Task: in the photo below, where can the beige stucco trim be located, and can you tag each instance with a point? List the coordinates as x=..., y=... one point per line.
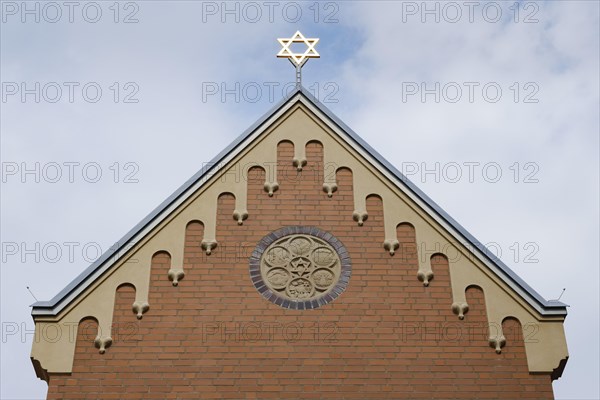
x=545, y=342
x=300, y=125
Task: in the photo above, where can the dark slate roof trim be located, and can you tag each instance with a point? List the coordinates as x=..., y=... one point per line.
x=126, y=240
x=434, y=206
x=554, y=307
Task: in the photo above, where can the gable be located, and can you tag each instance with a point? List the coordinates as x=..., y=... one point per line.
x=300, y=120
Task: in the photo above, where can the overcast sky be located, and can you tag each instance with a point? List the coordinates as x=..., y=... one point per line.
x=490, y=107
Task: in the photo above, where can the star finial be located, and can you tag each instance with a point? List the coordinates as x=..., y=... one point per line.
x=298, y=59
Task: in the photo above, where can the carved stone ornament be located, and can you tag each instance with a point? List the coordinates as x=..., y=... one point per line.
x=271, y=187
x=497, y=343
x=460, y=309
x=300, y=267
x=139, y=308
x=360, y=217
x=330, y=188
x=175, y=275
x=102, y=343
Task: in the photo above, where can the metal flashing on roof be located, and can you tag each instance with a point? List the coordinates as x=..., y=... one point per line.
x=72, y=290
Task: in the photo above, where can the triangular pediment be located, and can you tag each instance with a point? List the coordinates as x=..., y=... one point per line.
x=301, y=120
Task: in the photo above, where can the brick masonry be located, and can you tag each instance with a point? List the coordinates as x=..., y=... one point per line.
x=215, y=337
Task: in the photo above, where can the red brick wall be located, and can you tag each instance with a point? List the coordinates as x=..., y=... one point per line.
x=215, y=336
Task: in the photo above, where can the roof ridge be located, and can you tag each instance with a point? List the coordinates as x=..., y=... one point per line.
x=554, y=307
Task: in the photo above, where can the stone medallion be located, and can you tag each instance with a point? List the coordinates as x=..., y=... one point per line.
x=300, y=267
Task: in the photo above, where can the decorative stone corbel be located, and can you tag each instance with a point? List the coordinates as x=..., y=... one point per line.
x=299, y=163
x=391, y=245
x=330, y=188
x=175, y=275
x=271, y=187
x=208, y=246
x=102, y=343
x=425, y=276
x=240, y=216
x=140, y=307
x=460, y=309
x=360, y=217
x=497, y=342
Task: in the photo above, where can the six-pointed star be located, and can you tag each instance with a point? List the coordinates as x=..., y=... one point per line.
x=298, y=59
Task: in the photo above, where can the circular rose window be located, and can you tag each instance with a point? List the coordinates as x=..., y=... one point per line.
x=300, y=267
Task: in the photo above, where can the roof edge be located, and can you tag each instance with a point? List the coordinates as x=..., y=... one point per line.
x=126, y=239
x=550, y=304
x=545, y=307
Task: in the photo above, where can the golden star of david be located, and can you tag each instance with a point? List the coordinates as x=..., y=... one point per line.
x=298, y=59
